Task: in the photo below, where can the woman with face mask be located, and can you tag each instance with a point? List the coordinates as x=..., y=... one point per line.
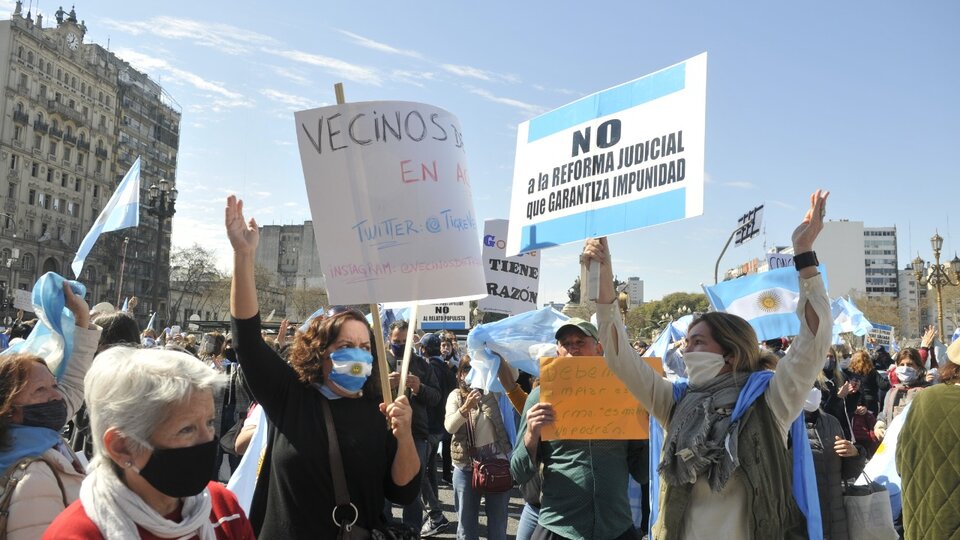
x=720, y=477
x=34, y=407
x=836, y=390
x=333, y=378
x=152, y=417
x=911, y=379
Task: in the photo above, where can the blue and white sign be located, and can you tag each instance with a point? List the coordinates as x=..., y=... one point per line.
x=449, y=316
x=625, y=158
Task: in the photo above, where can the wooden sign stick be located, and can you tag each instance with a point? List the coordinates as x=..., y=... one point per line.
x=374, y=312
x=405, y=366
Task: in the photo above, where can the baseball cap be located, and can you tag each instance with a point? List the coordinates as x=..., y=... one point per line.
x=430, y=341
x=584, y=326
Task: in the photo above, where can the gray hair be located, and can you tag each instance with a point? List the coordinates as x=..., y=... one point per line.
x=132, y=390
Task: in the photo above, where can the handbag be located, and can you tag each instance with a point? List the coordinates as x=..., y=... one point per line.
x=344, y=514
x=869, y=515
x=491, y=474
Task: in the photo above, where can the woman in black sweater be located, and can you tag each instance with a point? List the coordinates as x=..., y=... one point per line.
x=331, y=361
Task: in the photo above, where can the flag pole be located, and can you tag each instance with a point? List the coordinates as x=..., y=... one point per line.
x=716, y=268
x=123, y=263
x=375, y=313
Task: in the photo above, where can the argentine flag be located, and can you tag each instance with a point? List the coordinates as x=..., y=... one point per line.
x=768, y=300
x=121, y=211
x=848, y=318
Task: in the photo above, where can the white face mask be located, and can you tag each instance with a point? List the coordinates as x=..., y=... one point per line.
x=812, y=402
x=845, y=363
x=702, y=367
x=906, y=374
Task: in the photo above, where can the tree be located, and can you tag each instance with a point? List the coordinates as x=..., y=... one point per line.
x=303, y=301
x=195, y=272
x=878, y=309
x=573, y=293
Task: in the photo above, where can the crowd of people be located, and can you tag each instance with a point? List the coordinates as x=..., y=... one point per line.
x=130, y=434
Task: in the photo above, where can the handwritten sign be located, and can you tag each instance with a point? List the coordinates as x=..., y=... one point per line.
x=390, y=195
x=449, y=316
x=621, y=159
x=881, y=336
x=590, y=402
x=779, y=260
x=750, y=225
x=23, y=300
x=512, y=282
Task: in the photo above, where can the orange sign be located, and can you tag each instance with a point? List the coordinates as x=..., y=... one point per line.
x=589, y=401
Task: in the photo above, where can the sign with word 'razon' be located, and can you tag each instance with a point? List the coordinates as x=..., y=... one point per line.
x=391, y=201
x=625, y=158
x=512, y=282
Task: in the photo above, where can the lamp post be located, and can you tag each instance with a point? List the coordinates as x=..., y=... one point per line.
x=937, y=275
x=162, y=200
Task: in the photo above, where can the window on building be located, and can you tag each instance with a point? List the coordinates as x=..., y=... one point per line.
x=37, y=142
x=66, y=153
x=80, y=159
x=99, y=166
x=77, y=184
x=14, y=160
x=49, y=175
x=73, y=237
x=43, y=91
x=64, y=180
x=53, y=148
x=41, y=199
x=30, y=57
x=12, y=190
x=96, y=191
x=18, y=133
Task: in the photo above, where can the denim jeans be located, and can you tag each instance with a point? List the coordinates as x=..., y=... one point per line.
x=429, y=492
x=413, y=512
x=467, y=501
x=528, y=522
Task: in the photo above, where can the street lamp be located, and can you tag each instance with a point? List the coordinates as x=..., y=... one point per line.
x=938, y=275
x=162, y=200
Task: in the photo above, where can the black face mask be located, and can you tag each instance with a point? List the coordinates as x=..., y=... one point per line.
x=181, y=472
x=50, y=415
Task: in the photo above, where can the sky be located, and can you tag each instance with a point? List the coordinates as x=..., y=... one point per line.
x=855, y=97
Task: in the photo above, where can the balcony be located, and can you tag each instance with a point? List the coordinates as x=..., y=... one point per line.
x=56, y=132
x=64, y=110
x=101, y=153
x=41, y=127
x=83, y=144
x=70, y=139
x=21, y=117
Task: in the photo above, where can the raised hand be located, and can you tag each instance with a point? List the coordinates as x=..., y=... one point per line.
x=596, y=249
x=77, y=305
x=808, y=230
x=928, y=336
x=244, y=235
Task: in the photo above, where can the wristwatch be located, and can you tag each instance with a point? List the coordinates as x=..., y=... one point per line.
x=805, y=259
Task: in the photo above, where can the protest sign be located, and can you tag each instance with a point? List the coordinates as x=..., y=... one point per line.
x=23, y=300
x=449, y=316
x=512, y=282
x=589, y=401
x=779, y=260
x=391, y=201
x=881, y=336
x=749, y=225
x=621, y=159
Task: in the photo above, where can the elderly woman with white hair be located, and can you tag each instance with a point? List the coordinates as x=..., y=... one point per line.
x=152, y=418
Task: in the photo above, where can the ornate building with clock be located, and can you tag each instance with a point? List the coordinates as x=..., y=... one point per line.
x=73, y=119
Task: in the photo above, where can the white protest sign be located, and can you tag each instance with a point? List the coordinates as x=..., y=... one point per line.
x=23, y=299
x=449, y=316
x=512, y=282
x=750, y=224
x=391, y=202
x=882, y=335
x=621, y=159
x=779, y=260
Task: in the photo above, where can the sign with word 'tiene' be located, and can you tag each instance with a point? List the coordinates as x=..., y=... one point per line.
x=512, y=282
x=390, y=196
x=449, y=316
x=621, y=159
x=589, y=401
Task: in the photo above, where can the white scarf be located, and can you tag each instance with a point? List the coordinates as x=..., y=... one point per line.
x=116, y=510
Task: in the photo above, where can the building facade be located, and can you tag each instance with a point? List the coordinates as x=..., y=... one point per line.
x=288, y=256
x=71, y=112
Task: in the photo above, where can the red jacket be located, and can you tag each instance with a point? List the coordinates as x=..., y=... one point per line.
x=229, y=521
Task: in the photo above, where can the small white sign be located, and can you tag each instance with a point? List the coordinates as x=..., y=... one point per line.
x=512, y=282
x=23, y=300
x=779, y=260
x=448, y=316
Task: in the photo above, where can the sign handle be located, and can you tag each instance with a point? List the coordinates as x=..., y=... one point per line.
x=593, y=281
x=407, y=349
x=374, y=312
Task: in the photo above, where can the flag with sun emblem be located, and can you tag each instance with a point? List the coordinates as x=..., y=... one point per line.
x=768, y=300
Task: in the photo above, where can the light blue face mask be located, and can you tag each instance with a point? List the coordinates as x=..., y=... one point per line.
x=351, y=368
